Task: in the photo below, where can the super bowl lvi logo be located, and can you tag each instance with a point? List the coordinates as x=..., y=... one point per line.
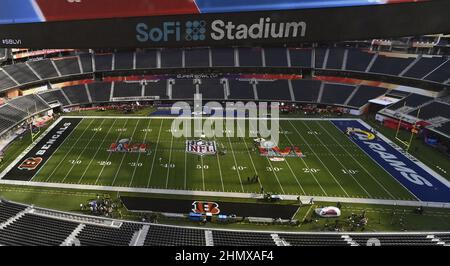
x=30, y=163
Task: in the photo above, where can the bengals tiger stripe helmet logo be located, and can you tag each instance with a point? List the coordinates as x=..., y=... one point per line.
x=202, y=207
x=30, y=163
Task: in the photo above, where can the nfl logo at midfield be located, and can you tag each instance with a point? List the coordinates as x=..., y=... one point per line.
x=201, y=147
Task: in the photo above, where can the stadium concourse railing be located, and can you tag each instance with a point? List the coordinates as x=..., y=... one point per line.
x=105, y=67
x=81, y=230
x=181, y=67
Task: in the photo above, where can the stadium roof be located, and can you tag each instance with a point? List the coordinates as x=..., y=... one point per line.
x=26, y=11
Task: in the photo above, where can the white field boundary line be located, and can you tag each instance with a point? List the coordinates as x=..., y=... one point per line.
x=216, y=194
x=206, y=117
x=28, y=149
x=413, y=159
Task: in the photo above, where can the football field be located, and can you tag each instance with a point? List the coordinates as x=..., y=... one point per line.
x=332, y=164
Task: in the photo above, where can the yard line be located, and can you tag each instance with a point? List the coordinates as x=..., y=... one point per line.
x=248, y=152
x=170, y=159
x=96, y=152
x=235, y=162
x=295, y=177
x=365, y=169
x=275, y=173
x=203, y=173
x=123, y=156
x=185, y=169
x=271, y=166
x=139, y=155
x=292, y=172
x=220, y=169
x=69, y=152
x=342, y=165
x=312, y=150
x=154, y=154
x=110, y=153
x=79, y=155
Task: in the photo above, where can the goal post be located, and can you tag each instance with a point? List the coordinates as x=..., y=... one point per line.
x=31, y=122
x=407, y=143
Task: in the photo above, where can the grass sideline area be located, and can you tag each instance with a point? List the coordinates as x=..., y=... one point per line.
x=381, y=218
x=141, y=111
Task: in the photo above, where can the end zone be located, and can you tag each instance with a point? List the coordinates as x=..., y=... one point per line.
x=29, y=164
x=423, y=183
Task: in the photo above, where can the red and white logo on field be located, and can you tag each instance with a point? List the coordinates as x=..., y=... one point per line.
x=201, y=147
x=30, y=163
x=203, y=207
x=124, y=145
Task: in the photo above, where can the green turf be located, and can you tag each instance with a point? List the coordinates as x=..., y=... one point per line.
x=333, y=166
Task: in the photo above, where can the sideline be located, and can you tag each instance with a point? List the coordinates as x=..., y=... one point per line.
x=227, y=194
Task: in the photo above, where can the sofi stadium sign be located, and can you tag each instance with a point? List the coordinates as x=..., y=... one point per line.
x=219, y=30
x=149, y=28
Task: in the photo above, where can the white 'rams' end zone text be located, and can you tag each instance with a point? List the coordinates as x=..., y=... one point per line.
x=398, y=165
